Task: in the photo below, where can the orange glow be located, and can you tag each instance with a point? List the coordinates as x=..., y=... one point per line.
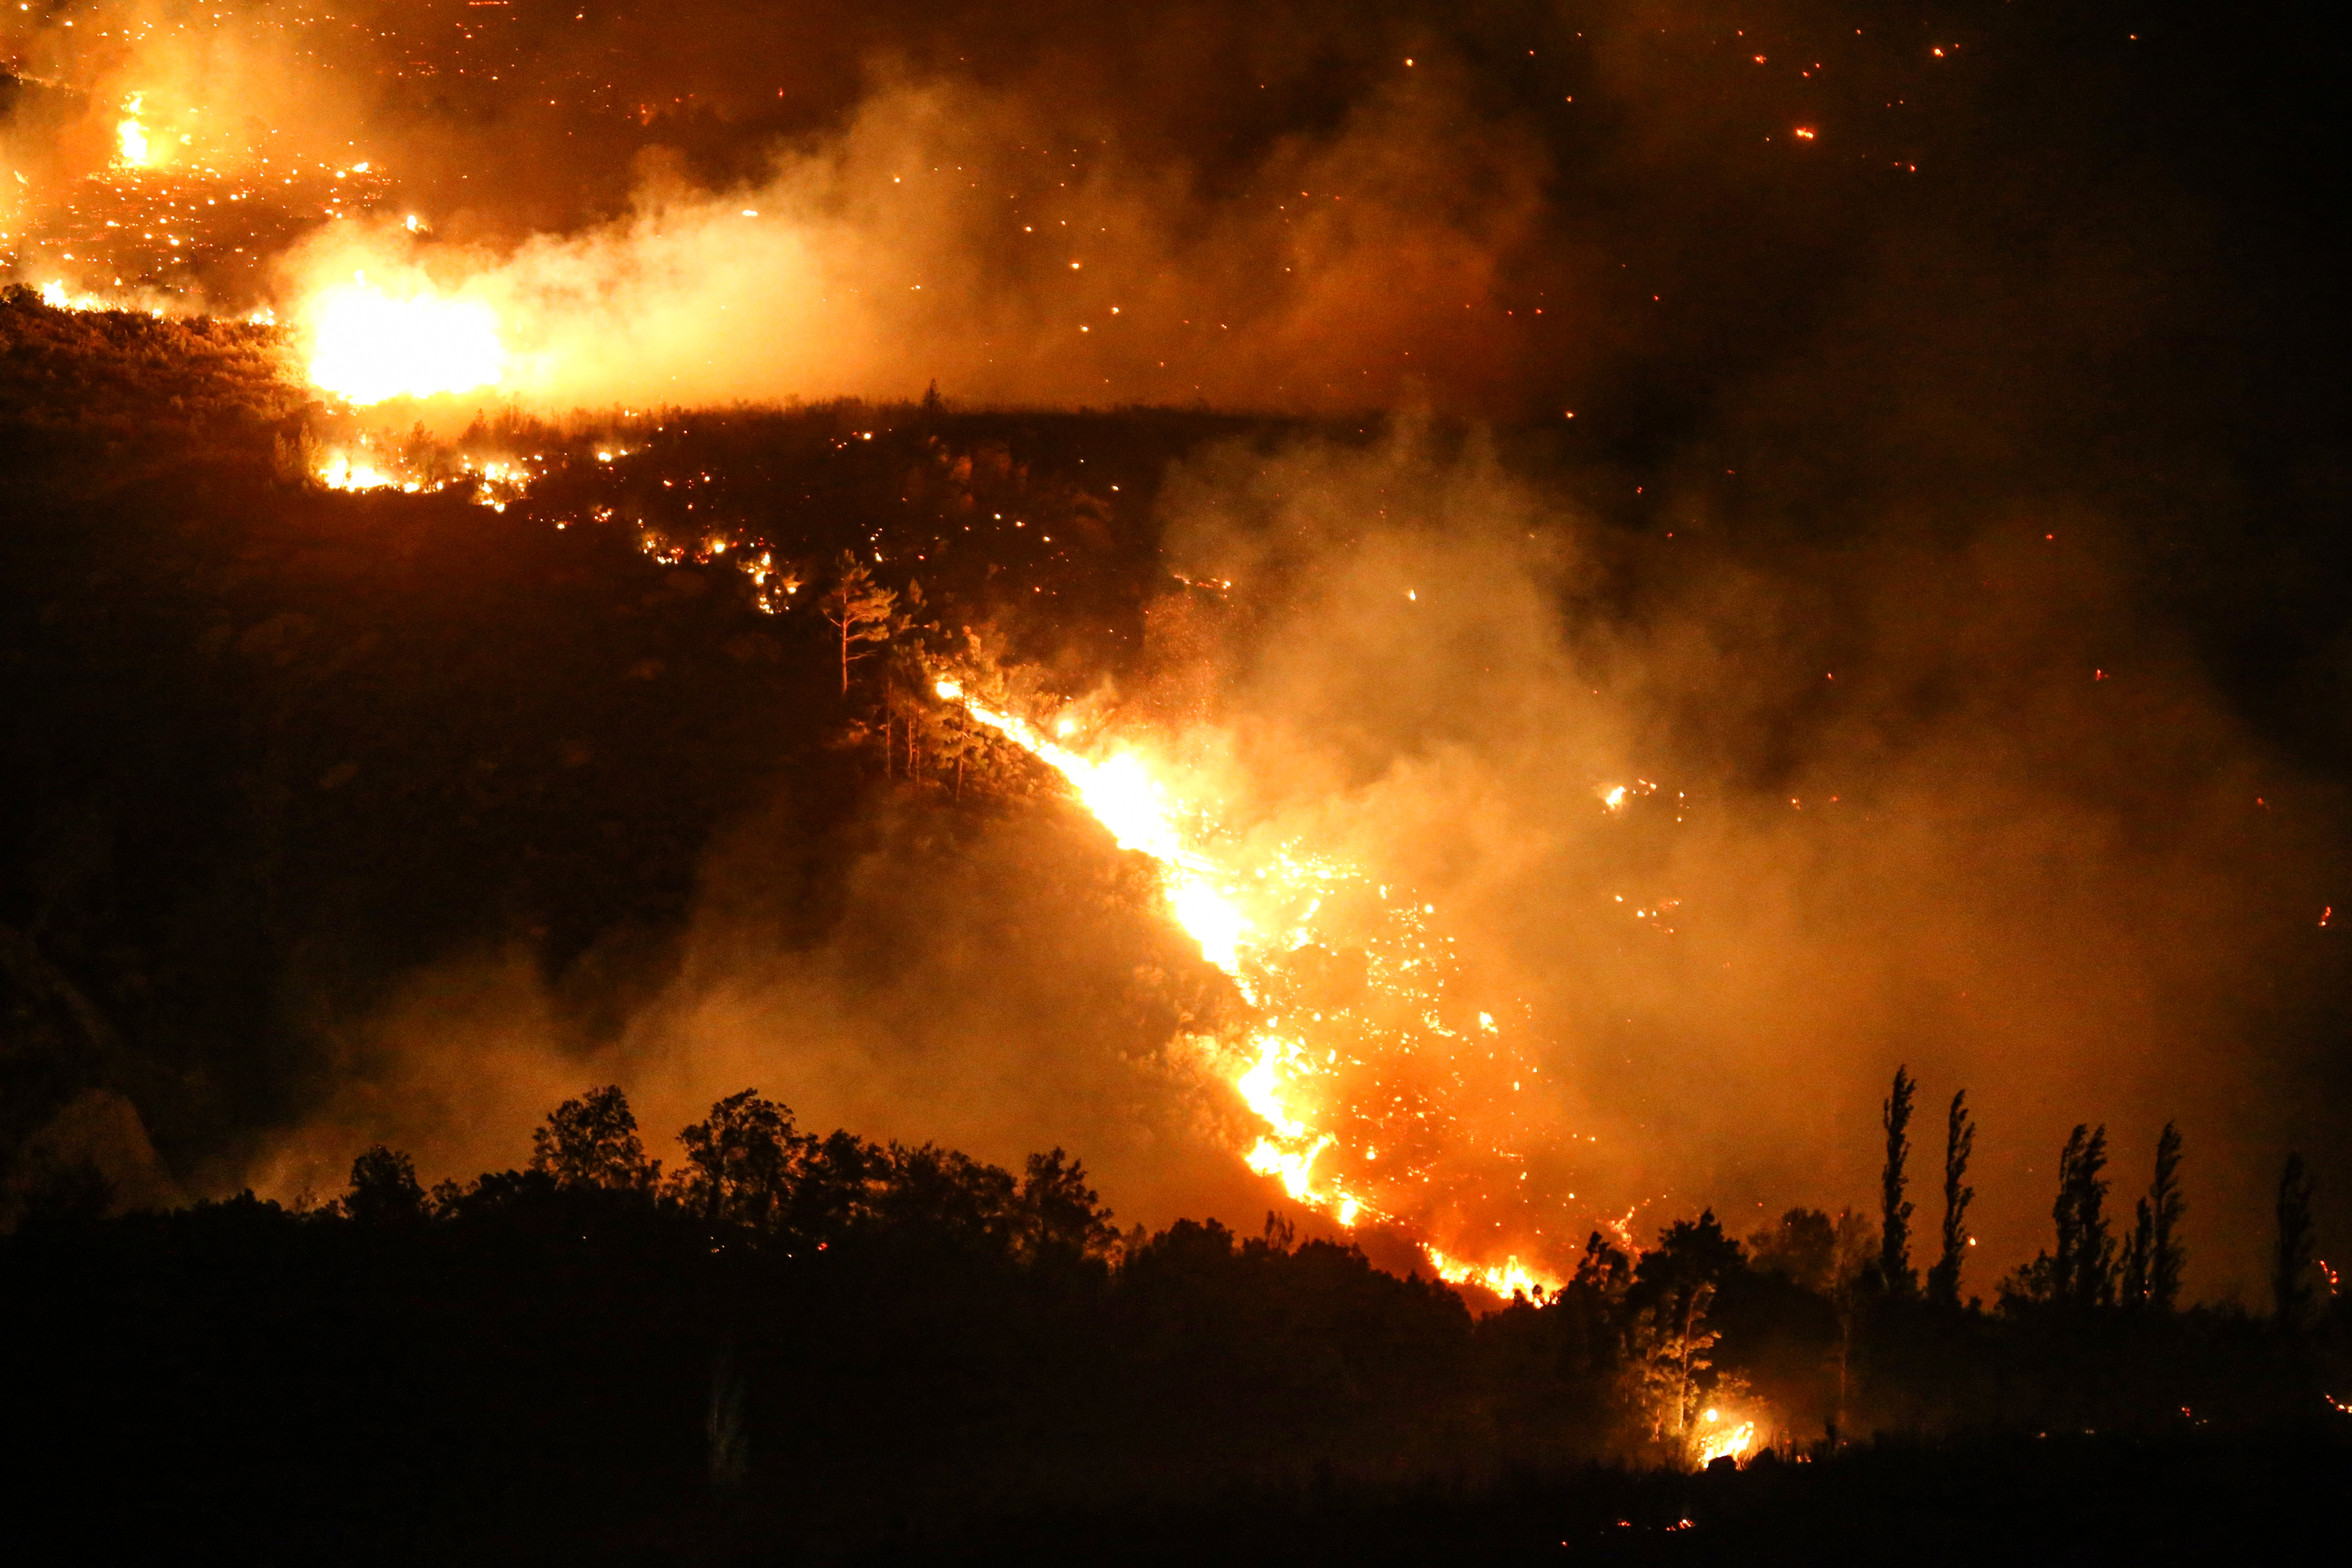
x=132, y=147
x=1352, y=1126
x=1723, y=1435
x=1510, y=1278
x=340, y=472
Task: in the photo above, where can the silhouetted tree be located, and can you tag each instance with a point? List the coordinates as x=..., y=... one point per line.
x=1690, y=1253
x=2139, y=1247
x=951, y=1195
x=1603, y=1269
x=1960, y=1142
x=1895, y=1210
x=839, y=1182
x=2167, y=1255
x=1802, y=1248
x=2087, y=1252
x=2152, y=1256
x=592, y=1142
x=739, y=1162
x=2082, y=1272
x=1061, y=1216
x=2292, y=1249
x=384, y=1189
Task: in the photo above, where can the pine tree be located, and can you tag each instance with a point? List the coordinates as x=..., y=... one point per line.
x=1960, y=1142
x=1894, y=1212
x=857, y=607
x=2167, y=1255
x=2291, y=1263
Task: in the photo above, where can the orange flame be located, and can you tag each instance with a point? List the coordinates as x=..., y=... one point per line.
x=1247, y=919
x=132, y=147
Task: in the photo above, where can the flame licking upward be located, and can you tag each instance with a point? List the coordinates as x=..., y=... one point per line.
x=1722, y=1436
x=1360, y=1087
x=369, y=345
x=132, y=148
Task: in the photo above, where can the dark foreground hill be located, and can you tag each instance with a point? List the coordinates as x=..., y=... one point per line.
x=819, y=1351
x=801, y=1348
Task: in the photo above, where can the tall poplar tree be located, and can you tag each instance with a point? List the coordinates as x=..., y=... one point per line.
x=2085, y=1272
x=2167, y=1255
x=2291, y=1263
x=1960, y=1142
x=1894, y=1212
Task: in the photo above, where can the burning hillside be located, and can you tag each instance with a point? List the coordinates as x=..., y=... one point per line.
x=1785, y=509
x=1404, y=1131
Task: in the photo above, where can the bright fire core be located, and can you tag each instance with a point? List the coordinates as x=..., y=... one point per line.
x=1376, y=1092
x=369, y=345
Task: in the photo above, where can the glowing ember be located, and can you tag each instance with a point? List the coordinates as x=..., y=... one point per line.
x=1339, y=1072
x=368, y=345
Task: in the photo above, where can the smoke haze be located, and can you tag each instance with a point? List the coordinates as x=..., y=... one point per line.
x=1938, y=508
x=1955, y=803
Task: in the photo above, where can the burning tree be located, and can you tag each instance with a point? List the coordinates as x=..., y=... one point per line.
x=1669, y=1370
x=1669, y=1355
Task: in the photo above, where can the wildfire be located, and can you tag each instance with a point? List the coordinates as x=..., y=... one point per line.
x=1509, y=1278
x=1722, y=1436
x=491, y=483
x=1351, y=1128
x=368, y=345
x=132, y=148
x=340, y=472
